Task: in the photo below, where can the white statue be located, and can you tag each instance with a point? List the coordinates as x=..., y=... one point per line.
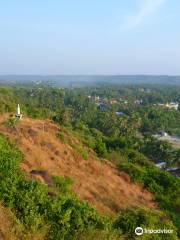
x=18, y=112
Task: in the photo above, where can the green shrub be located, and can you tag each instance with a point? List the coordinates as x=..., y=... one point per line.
x=11, y=122
x=130, y=219
x=100, y=149
x=63, y=184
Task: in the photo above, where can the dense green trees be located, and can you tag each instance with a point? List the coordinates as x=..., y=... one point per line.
x=66, y=105
x=158, y=150
x=7, y=100
x=126, y=140
x=159, y=119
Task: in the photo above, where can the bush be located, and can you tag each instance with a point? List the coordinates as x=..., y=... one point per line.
x=11, y=122
x=100, y=149
x=63, y=184
x=130, y=219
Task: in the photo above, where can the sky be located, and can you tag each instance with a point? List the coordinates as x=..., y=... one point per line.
x=90, y=37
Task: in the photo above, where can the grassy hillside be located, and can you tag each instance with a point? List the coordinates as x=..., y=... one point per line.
x=51, y=210
x=51, y=213
x=57, y=151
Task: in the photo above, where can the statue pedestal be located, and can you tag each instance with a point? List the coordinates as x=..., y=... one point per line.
x=19, y=116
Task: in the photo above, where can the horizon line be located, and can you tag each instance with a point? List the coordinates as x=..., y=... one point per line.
x=138, y=74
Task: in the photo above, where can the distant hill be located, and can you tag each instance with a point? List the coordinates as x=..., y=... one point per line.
x=87, y=80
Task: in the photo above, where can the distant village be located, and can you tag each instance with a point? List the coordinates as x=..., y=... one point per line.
x=102, y=103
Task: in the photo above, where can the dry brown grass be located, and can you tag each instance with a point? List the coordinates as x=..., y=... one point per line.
x=5, y=224
x=97, y=182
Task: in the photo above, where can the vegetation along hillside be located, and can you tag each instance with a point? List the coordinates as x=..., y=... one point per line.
x=82, y=163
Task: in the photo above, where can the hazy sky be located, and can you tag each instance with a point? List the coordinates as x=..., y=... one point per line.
x=90, y=37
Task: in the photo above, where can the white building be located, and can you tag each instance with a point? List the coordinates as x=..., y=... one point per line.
x=173, y=105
